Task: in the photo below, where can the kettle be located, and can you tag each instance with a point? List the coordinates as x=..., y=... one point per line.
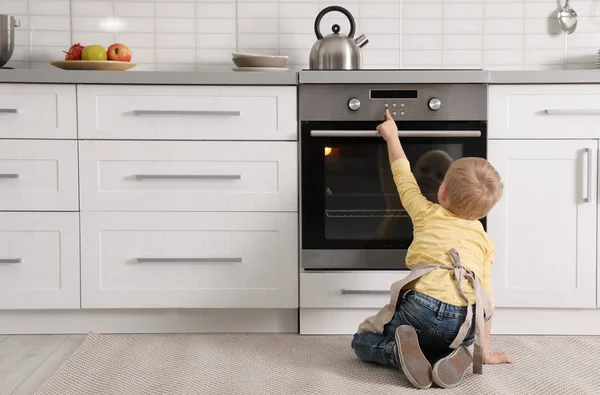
x=7, y=37
x=336, y=51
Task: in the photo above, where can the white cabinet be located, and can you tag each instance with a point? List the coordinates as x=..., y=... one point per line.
x=38, y=175
x=544, y=227
x=39, y=260
x=187, y=112
x=189, y=260
x=38, y=111
x=544, y=111
x=189, y=176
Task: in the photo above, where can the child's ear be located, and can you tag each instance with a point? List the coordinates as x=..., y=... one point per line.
x=442, y=193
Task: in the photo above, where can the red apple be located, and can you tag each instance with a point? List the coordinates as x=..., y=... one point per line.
x=74, y=52
x=119, y=53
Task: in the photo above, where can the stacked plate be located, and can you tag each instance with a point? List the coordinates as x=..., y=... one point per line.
x=598, y=60
x=256, y=62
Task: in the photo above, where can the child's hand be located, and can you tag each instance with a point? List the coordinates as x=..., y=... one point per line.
x=388, y=129
x=495, y=358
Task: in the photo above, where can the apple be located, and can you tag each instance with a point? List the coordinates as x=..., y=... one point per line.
x=94, y=52
x=119, y=53
x=75, y=52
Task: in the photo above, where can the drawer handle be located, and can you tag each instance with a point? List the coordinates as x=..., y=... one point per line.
x=401, y=133
x=572, y=112
x=142, y=177
x=236, y=259
x=8, y=110
x=10, y=260
x=365, y=292
x=186, y=112
x=9, y=175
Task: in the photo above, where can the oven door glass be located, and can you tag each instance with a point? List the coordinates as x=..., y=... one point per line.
x=349, y=198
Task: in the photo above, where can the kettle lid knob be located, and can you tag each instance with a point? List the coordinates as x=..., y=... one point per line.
x=335, y=28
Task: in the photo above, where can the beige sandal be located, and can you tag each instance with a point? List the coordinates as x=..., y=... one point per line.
x=412, y=361
x=448, y=372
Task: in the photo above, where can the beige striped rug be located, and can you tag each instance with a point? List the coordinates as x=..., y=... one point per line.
x=293, y=364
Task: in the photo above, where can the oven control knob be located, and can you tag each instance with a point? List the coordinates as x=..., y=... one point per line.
x=354, y=104
x=434, y=104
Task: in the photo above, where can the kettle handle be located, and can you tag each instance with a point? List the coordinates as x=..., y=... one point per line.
x=328, y=10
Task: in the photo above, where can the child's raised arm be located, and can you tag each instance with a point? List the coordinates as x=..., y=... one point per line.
x=411, y=197
x=389, y=131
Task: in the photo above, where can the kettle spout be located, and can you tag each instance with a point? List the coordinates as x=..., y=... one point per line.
x=361, y=40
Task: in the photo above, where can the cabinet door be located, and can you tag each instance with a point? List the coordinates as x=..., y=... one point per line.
x=187, y=112
x=38, y=175
x=544, y=227
x=39, y=261
x=38, y=111
x=189, y=260
x=188, y=176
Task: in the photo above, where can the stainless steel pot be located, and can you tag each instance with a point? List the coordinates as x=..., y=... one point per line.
x=7, y=37
x=337, y=51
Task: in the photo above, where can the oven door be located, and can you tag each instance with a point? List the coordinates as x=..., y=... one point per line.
x=351, y=214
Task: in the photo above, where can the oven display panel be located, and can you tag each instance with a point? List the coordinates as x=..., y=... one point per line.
x=383, y=94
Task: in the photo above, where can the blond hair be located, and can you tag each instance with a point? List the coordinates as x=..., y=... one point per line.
x=473, y=187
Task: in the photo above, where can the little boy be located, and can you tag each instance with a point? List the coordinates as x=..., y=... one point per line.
x=429, y=319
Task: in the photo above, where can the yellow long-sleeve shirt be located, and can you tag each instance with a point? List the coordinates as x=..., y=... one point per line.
x=437, y=230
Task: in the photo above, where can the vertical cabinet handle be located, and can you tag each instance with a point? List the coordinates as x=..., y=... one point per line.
x=587, y=175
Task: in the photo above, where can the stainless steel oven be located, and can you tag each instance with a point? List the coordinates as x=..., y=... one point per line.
x=351, y=215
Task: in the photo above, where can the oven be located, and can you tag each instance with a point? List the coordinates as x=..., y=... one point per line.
x=351, y=214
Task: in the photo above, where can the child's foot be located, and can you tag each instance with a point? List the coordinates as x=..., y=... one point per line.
x=412, y=361
x=448, y=372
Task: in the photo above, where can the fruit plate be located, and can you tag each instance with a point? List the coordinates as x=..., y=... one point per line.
x=105, y=65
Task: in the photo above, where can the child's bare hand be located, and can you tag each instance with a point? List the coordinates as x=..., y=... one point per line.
x=388, y=129
x=496, y=358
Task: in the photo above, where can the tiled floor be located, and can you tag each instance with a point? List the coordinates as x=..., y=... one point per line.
x=26, y=361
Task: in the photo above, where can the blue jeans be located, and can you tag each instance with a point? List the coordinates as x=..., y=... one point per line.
x=435, y=322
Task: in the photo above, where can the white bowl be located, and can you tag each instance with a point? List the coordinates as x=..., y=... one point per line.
x=254, y=60
x=235, y=55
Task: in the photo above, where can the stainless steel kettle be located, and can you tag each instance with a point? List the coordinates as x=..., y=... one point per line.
x=7, y=37
x=336, y=51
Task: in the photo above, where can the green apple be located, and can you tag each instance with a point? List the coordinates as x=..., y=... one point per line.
x=94, y=52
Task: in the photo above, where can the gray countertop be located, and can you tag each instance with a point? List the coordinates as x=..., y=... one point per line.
x=394, y=77
x=220, y=77
x=451, y=76
x=545, y=77
x=228, y=77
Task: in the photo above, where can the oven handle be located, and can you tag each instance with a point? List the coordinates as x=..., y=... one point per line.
x=401, y=133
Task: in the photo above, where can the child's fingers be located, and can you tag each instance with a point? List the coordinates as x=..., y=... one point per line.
x=388, y=117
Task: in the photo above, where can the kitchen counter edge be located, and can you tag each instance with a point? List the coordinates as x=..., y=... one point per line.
x=31, y=76
x=291, y=78
x=525, y=77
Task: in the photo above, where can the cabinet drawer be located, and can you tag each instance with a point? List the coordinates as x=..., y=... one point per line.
x=39, y=260
x=189, y=260
x=544, y=111
x=347, y=289
x=187, y=112
x=38, y=111
x=38, y=175
x=188, y=176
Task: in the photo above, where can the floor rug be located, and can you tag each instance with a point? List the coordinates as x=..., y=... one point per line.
x=294, y=364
